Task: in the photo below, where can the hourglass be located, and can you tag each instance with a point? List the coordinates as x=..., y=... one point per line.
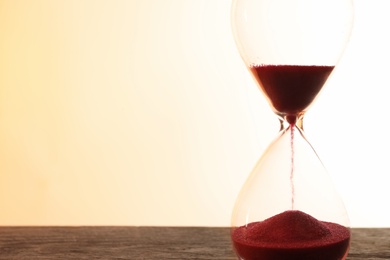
x=288, y=208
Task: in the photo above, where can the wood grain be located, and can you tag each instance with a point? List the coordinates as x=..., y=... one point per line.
x=151, y=243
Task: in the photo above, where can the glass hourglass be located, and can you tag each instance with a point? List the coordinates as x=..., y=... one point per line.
x=288, y=208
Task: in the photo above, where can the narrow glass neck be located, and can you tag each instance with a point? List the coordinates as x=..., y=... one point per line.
x=289, y=121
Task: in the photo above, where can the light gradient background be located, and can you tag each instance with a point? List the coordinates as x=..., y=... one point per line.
x=140, y=112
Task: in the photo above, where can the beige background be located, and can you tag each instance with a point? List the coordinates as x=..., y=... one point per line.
x=140, y=112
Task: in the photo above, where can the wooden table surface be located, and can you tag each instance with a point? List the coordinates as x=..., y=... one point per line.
x=151, y=243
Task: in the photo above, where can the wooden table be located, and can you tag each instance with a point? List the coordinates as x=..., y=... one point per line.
x=151, y=243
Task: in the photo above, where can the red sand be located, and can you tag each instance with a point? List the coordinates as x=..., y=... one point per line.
x=291, y=235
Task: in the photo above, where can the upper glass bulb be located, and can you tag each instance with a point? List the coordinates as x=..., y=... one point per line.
x=291, y=47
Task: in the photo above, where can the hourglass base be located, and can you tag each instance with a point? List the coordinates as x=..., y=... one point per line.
x=291, y=235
